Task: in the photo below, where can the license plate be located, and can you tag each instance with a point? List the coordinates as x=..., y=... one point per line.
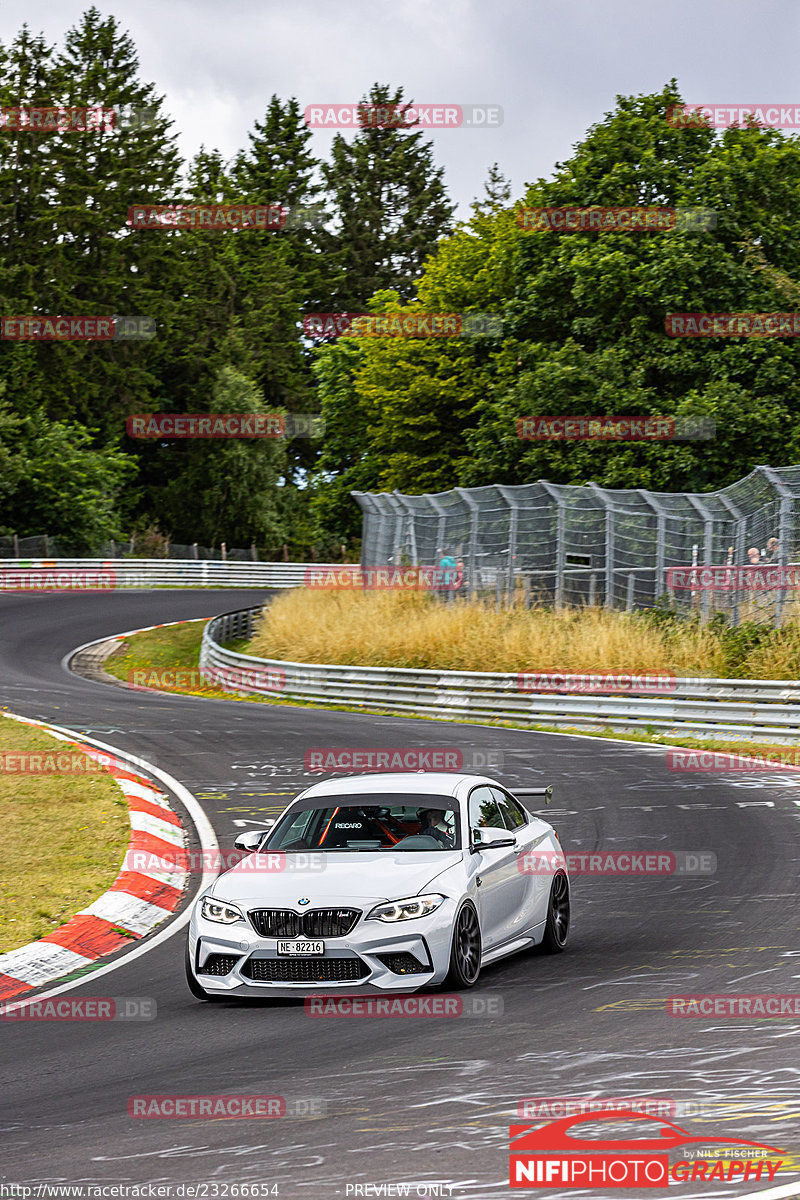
x=296, y=948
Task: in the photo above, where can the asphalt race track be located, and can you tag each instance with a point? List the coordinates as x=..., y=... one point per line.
x=408, y=1100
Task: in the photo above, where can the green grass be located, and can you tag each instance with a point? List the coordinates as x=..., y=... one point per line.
x=63, y=841
x=168, y=660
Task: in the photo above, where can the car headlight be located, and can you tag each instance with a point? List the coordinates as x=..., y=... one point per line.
x=215, y=910
x=406, y=910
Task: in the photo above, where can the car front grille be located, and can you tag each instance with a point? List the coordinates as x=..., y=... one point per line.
x=329, y=922
x=403, y=963
x=305, y=970
x=218, y=964
x=316, y=923
x=275, y=922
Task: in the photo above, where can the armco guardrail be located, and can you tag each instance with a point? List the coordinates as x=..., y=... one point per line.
x=157, y=572
x=751, y=709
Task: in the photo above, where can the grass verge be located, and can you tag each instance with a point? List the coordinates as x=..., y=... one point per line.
x=167, y=659
x=64, y=837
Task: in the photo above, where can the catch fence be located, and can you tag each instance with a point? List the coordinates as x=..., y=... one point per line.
x=568, y=545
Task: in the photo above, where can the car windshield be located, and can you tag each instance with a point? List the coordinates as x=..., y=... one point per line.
x=368, y=823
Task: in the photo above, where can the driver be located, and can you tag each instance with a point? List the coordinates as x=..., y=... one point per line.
x=434, y=824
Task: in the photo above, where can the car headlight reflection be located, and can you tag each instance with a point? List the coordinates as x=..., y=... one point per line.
x=215, y=910
x=406, y=910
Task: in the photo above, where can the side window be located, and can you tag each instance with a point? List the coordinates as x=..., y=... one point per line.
x=513, y=815
x=297, y=830
x=483, y=810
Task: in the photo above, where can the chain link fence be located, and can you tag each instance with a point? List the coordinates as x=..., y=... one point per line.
x=568, y=545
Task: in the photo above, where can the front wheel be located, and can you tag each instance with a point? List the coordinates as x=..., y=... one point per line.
x=194, y=987
x=556, y=930
x=465, y=952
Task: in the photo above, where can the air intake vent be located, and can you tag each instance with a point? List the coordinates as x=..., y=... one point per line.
x=403, y=964
x=218, y=964
x=305, y=970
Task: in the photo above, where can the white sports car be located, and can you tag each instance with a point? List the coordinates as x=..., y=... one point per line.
x=381, y=883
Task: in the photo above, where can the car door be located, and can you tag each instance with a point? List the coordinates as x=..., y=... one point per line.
x=497, y=874
x=532, y=886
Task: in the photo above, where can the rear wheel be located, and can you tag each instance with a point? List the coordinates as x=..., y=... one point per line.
x=465, y=952
x=194, y=986
x=556, y=930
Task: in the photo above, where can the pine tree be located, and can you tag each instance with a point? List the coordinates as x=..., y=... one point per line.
x=390, y=203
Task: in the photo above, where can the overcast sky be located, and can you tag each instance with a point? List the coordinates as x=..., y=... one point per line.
x=555, y=67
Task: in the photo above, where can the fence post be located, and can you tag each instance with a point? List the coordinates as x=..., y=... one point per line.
x=512, y=536
x=629, y=597
x=131, y=545
x=561, y=541
x=412, y=527
x=784, y=527
x=661, y=539
x=46, y=546
x=708, y=548
x=609, y=572
x=441, y=525
x=741, y=534
x=473, y=538
x=224, y=550
x=16, y=546
x=253, y=552
x=194, y=550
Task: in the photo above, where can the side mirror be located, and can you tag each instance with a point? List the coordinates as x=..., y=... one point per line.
x=491, y=839
x=249, y=841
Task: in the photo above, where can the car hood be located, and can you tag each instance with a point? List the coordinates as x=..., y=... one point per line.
x=344, y=876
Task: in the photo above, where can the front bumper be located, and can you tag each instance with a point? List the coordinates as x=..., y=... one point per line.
x=428, y=939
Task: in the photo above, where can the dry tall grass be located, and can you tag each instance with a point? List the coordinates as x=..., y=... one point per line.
x=413, y=630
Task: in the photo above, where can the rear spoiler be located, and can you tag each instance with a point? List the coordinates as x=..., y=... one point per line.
x=546, y=792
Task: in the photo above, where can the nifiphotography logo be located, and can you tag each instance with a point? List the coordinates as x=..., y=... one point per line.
x=552, y=1155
